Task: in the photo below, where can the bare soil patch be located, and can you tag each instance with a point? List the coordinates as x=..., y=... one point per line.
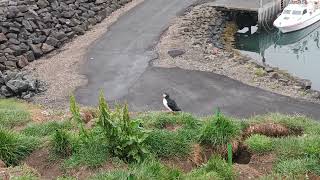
x=46, y=167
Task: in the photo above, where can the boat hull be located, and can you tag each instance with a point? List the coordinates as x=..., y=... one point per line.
x=300, y=25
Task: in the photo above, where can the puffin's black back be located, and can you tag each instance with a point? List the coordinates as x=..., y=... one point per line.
x=172, y=104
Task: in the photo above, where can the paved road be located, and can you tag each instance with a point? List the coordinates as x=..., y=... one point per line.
x=120, y=66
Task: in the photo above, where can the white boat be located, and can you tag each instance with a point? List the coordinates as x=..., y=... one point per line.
x=297, y=15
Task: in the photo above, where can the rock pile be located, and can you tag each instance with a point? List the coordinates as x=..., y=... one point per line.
x=32, y=28
x=20, y=84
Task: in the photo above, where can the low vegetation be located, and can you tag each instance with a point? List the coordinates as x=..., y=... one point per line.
x=112, y=145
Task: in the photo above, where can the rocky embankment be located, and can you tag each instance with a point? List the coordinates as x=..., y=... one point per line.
x=30, y=29
x=20, y=84
x=202, y=39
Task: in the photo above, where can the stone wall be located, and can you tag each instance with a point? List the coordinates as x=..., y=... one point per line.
x=30, y=29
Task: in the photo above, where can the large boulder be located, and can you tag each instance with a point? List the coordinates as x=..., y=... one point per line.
x=3, y=38
x=176, y=52
x=17, y=85
x=46, y=48
x=36, y=49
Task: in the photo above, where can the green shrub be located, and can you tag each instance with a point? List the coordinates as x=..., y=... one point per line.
x=15, y=147
x=61, y=143
x=259, y=143
x=218, y=130
x=46, y=129
x=216, y=168
x=164, y=143
x=126, y=138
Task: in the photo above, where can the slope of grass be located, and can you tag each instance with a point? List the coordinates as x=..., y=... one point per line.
x=219, y=130
x=161, y=120
x=149, y=169
x=46, y=128
x=116, y=135
x=14, y=147
x=13, y=113
x=259, y=143
x=216, y=168
x=163, y=143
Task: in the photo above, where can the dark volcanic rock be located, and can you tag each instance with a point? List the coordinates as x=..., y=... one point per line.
x=3, y=38
x=52, y=41
x=176, y=52
x=46, y=48
x=22, y=62
x=30, y=56
x=36, y=49
x=17, y=85
x=31, y=28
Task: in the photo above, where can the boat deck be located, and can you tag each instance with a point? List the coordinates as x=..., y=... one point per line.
x=243, y=5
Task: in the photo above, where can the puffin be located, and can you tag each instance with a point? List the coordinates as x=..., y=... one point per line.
x=170, y=104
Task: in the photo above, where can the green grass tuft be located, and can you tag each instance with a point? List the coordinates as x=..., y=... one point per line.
x=61, y=143
x=15, y=147
x=163, y=143
x=13, y=113
x=216, y=168
x=149, y=169
x=219, y=130
x=161, y=120
x=292, y=167
x=46, y=129
x=92, y=152
x=259, y=143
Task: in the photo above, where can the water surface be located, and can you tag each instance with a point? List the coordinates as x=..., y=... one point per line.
x=297, y=52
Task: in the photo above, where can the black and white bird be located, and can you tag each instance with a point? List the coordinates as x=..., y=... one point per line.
x=170, y=104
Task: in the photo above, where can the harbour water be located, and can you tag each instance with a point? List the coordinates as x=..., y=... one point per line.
x=298, y=52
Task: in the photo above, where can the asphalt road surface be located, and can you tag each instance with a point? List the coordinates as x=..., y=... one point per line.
x=119, y=65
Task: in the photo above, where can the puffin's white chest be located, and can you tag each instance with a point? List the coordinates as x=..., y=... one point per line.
x=165, y=103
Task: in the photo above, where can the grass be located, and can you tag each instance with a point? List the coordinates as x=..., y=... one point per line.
x=259, y=143
x=149, y=169
x=293, y=122
x=61, y=143
x=216, y=168
x=15, y=147
x=115, y=135
x=23, y=172
x=219, y=130
x=161, y=120
x=46, y=128
x=92, y=152
x=163, y=143
x=13, y=113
